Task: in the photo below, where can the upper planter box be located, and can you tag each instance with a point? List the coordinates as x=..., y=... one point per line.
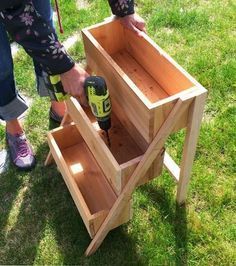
x=144, y=82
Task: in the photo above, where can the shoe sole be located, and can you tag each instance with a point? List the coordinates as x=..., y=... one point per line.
x=25, y=169
x=28, y=168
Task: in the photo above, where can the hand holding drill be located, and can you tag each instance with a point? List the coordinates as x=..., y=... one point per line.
x=91, y=89
x=73, y=83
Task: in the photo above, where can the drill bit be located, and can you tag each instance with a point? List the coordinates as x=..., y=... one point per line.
x=108, y=139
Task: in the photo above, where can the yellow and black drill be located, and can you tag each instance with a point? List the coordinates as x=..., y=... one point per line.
x=97, y=95
x=99, y=100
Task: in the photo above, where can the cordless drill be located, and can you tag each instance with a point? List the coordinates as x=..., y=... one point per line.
x=99, y=100
x=97, y=95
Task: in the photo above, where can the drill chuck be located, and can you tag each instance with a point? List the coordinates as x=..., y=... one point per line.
x=105, y=124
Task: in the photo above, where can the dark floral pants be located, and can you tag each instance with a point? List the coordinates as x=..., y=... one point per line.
x=12, y=105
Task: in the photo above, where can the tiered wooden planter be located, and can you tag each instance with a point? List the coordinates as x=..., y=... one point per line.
x=152, y=96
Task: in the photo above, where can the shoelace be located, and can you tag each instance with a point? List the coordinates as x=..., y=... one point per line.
x=22, y=146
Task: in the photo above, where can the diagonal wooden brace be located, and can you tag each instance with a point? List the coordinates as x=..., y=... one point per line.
x=148, y=158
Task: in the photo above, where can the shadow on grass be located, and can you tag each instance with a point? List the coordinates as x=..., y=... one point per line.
x=48, y=228
x=175, y=215
x=9, y=188
x=52, y=124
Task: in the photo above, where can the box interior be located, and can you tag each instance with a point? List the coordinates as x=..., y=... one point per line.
x=84, y=169
x=151, y=72
x=123, y=147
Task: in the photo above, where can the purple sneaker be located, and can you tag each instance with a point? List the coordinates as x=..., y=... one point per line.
x=21, y=152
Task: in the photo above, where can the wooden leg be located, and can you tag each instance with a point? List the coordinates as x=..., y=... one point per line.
x=49, y=160
x=148, y=158
x=190, y=143
x=66, y=120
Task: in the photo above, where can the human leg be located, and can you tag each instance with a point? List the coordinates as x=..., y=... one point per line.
x=12, y=106
x=57, y=109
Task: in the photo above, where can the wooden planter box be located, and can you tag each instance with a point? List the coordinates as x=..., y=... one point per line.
x=144, y=82
x=152, y=96
x=90, y=189
x=94, y=173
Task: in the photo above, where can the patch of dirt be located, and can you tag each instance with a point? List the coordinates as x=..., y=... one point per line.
x=81, y=4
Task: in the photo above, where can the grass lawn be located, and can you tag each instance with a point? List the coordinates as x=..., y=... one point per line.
x=39, y=223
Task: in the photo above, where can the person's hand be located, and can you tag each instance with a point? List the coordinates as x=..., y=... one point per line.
x=73, y=82
x=134, y=23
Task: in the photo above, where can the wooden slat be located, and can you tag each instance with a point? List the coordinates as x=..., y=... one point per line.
x=89, y=177
x=130, y=127
x=171, y=166
x=157, y=63
x=107, y=36
x=66, y=120
x=161, y=113
x=154, y=170
x=70, y=182
x=175, y=97
x=49, y=160
x=99, y=149
x=125, y=216
x=142, y=79
x=123, y=146
x=190, y=144
x=96, y=221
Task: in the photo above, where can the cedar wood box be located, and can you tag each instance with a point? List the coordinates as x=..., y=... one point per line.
x=144, y=84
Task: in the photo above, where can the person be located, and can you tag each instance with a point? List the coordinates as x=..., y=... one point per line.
x=29, y=22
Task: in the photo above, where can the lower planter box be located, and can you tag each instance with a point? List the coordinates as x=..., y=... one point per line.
x=90, y=190
x=94, y=173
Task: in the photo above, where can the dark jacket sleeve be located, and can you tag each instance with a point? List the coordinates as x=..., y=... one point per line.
x=122, y=8
x=38, y=38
